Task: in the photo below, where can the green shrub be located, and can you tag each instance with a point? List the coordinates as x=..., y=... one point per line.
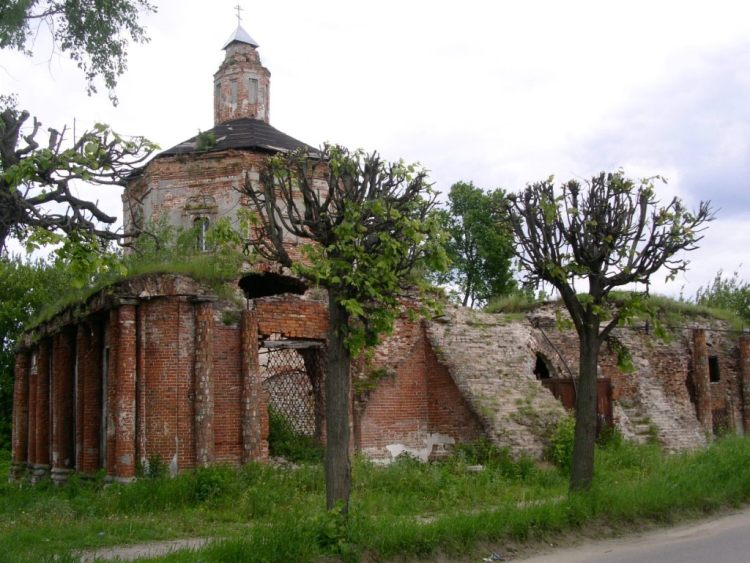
x=284, y=441
x=214, y=483
x=610, y=437
x=484, y=452
x=153, y=468
x=560, y=448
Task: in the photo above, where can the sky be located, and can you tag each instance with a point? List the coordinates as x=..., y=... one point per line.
x=498, y=93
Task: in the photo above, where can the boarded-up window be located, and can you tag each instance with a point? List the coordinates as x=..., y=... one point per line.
x=252, y=90
x=233, y=91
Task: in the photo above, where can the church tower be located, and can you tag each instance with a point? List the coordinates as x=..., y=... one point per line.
x=242, y=84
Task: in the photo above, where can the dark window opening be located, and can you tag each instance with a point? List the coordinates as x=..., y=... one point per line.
x=266, y=284
x=541, y=369
x=713, y=369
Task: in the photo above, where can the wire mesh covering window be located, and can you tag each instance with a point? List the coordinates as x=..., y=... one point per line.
x=290, y=389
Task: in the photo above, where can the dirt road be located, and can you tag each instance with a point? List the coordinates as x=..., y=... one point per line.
x=724, y=539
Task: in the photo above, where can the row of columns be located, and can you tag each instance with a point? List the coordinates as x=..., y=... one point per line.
x=59, y=404
x=94, y=375
x=253, y=412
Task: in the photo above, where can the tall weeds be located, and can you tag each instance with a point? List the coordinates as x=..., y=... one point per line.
x=407, y=509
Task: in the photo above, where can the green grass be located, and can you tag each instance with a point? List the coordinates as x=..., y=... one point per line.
x=671, y=312
x=283, y=441
x=407, y=509
x=205, y=268
x=515, y=303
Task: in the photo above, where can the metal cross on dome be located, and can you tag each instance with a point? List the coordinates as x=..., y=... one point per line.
x=239, y=16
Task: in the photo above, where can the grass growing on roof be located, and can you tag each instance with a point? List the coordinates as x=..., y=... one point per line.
x=168, y=250
x=672, y=312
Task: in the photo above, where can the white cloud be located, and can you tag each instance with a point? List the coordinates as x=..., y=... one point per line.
x=501, y=93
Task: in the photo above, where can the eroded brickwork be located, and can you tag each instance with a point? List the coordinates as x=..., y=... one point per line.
x=63, y=371
x=241, y=85
x=660, y=398
x=158, y=367
x=204, y=383
x=491, y=359
x=415, y=406
x=20, y=434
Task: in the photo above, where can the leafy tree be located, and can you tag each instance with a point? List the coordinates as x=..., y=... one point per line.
x=364, y=224
x=36, y=181
x=609, y=234
x=729, y=293
x=26, y=287
x=480, y=245
x=94, y=33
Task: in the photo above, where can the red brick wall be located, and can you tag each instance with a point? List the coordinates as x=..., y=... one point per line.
x=21, y=408
x=62, y=396
x=168, y=376
x=89, y=374
x=227, y=393
x=292, y=317
x=42, y=441
x=33, y=374
x=419, y=398
x=670, y=362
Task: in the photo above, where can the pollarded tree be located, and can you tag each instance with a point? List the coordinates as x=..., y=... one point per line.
x=37, y=177
x=93, y=33
x=609, y=234
x=365, y=226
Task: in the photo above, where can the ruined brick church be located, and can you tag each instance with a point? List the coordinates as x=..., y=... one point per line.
x=160, y=366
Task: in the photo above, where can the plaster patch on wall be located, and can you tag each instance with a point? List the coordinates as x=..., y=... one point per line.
x=423, y=454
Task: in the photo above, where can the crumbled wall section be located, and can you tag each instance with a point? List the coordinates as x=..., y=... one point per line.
x=660, y=395
x=491, y=360
x=413, y=406
x=658, y=400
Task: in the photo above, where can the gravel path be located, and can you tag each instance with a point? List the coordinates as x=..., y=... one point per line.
x=143, y=550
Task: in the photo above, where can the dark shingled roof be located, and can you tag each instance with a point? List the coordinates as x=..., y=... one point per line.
x=242, y=133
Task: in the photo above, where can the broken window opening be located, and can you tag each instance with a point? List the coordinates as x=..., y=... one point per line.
x=266, y=284
x=542, y=369
x=714, y=375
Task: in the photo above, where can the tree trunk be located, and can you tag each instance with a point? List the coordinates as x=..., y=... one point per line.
x=467, y=293
x=338, y=467
x=582, y=468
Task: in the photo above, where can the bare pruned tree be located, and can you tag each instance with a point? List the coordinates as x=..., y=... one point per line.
x=37, y=180
x=608, y=234
x=364, y=225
